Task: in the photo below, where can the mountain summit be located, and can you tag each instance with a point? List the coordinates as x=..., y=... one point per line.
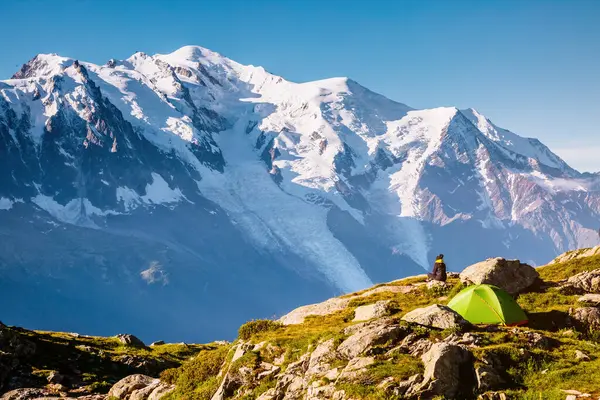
x=189, y=184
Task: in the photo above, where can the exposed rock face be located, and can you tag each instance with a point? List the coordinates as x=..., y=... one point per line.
x=368, y=334
x=575, y=254
x=130, y=340
x=445, y=371
x=128, y=385
x=588, y=281
x=325, y=308
x=587, y=317
x=436, y=316
x=510, y=275
x=370, y=311
x=592, y=299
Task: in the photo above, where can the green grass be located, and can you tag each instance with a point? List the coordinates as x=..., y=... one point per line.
x=197, y=379
x=560, y=271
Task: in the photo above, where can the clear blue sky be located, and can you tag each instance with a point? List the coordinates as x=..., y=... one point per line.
x=531, y=66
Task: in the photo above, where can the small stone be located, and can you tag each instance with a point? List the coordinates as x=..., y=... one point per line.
x=158, y=343
x=580, y=355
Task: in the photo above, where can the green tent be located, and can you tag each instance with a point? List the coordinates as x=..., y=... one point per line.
x=487, y=304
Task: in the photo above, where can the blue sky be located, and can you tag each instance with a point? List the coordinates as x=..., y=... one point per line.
x=531, y=66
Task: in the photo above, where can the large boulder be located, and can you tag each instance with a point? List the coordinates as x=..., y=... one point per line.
x=510, y=275
x=436, y=316
x=366, y=335
x=124, y=388
x=370, y=311
x=330, y=306
x=587, y=317
x=448, y=370
x=130, y=340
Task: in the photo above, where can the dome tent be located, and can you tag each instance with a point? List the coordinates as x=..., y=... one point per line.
x=487, y=304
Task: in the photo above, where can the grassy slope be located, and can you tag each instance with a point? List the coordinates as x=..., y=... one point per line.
x=98, y=361
x=536, y=372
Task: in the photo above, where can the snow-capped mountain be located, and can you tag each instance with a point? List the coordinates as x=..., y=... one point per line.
x=187, y=184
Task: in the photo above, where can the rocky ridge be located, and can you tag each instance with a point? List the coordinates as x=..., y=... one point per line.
x=395, y=341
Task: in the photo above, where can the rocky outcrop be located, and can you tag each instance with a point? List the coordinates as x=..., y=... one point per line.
x=130, y=340
x=587, y=317
x=140, y=387
x=436, y=316
x=576, y=254
x=588, y=281
x=364, y=336
x=447, y=367
x=510, y=275
x=370, y=311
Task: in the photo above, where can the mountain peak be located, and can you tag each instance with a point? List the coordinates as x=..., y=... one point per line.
x=42, y=65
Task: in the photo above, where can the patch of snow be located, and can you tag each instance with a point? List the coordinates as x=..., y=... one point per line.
x=159, y=192
x=76, y=211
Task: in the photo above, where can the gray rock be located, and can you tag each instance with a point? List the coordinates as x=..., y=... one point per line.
x=591, y=299
x=130, y=340
x=356, y=367
x=443, y=365
x=510, y=275
x=25, y=394
x=436, y=316
x=126, y=386
x=589, y=317
x=320, y=358
x=588, y=281
x=488, y=378
x=370, y=311
x=580, y=355
x=327, y=307
x=158, y=343
x=366, y=335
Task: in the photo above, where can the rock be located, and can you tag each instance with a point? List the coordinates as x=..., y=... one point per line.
x=325, y=308
x=158, y=343
x=154, y=391
x=468, y=339
x=437, y=285
x=588, y=281
x=580, y=355
x=588, y=317
x=356, y=367
x=492, y=396
x=488, y=378
x=370, y=311
x=320, y=358
x=405, y=289
x=406, y=386
x=436, y=316
x=126, y=386
x=25, y=394
x=240, y=350
x=591, y=299
x=366, y=335
x=574, y=254
x=268, y=370
x=130, y=340
x=510, y=275
x=444, y=371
